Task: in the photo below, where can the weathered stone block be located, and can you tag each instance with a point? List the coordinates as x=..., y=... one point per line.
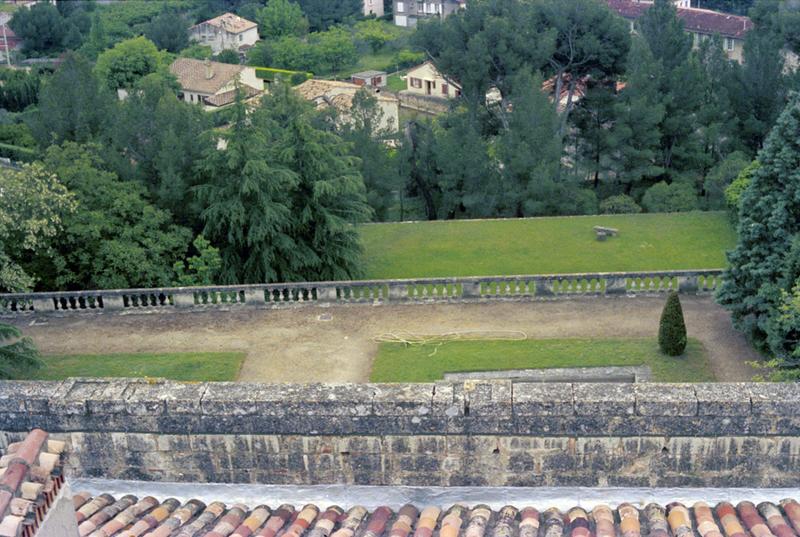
x=661, y=399
x=723, y=399
x=402, y=399
x=775, y=399
x=604, y=399
x=533, y=399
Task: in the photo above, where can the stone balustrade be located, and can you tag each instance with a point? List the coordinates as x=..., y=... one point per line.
x=531, y=287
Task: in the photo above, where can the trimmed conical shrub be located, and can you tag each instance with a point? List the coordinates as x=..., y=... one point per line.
x=672, y=329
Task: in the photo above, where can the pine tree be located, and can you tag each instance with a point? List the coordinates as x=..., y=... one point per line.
x=636, y=133
x=672, y=328
x=368, y=141
x=530, y=151
x=762, y=267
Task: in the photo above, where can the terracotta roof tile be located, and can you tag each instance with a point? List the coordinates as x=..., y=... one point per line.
x=194, y=519
x=695, y=20
x=193, y=74
x=227, y=97
x=30, y=479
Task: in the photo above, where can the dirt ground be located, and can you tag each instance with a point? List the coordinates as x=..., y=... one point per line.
x=300, y=345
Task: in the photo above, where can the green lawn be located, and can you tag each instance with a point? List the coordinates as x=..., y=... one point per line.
x=396, y=83
x=397, y=362
x=190, y=366
x=695, y=240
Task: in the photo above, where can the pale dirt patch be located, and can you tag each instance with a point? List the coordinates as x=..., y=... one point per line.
x=294, y=345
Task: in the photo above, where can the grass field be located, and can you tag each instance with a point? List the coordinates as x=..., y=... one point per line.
x=396, y=83
x=397, y=362
x=546, y=245
x=196, y=366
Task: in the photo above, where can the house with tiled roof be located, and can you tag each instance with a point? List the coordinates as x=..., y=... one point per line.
x=226, y=32
x=700, y=23
x=213, y=84
x=425, y=79
x=339, y=95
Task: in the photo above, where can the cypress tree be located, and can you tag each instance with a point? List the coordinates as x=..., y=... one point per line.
x=672, y=328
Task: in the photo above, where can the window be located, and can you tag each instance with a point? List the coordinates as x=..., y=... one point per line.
x=240, y=37
x=416, y=82
x=401, y=6
x=444, y=89
x=729, y=44
x=376, y=81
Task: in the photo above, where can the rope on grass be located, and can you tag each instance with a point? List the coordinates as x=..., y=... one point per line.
x=411, y=339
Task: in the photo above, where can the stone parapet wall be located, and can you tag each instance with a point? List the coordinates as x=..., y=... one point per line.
x=426, y=290
x=475, y=432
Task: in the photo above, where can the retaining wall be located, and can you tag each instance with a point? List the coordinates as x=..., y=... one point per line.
x=447, y=433
x=532, y=287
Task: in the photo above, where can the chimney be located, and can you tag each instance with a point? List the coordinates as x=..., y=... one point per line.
x=209, y=70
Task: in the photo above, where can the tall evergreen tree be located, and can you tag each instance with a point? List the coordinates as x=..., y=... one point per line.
x=72, y=105
x=468, y=176
x=766, y=260
x=329, y=197
x=530, y=151
x=368, y=140
x=636, y=134
x=246, y=208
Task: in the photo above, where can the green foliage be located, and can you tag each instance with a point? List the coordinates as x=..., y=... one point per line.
x=669, y=198
x=129, y=60
x=34, y=207
x=44, y=30
x=405, y=58
x=156, y=140
x=721, y=177
x=17, y=134
x=376, y=33
x=124, y=20
x=368, y=141
x=18, y=354
x=72, y=105
x=116, y=238
x=281, y=199
x=671, y=327
x=228, y=56
x=530, y=151
x=19, y=89
x=197, y=52
x=281, y=18
x=619, y=204
x=169, y=31
x=199, y=269
x=765, y=264
x=734, y=191
x=326, y=52
x=783, y=327
x=322, y=14
x=97, y=41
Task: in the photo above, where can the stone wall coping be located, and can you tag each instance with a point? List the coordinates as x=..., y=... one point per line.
x=472, y=406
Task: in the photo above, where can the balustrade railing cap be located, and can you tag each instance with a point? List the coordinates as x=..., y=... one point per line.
x=362, y=283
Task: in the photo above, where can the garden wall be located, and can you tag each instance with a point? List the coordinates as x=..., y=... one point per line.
x=447, y=433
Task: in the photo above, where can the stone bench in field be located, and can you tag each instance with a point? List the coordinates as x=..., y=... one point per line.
x=604, y=232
